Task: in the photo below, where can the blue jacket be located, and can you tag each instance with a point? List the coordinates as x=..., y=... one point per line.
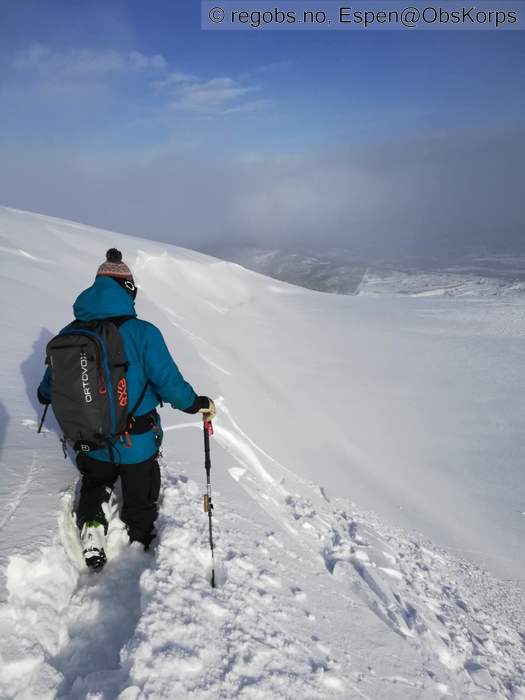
x=149, y=360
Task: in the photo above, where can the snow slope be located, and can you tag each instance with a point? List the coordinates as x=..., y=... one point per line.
x=347, y=426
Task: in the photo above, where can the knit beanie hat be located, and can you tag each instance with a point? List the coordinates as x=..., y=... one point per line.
x=114, y=267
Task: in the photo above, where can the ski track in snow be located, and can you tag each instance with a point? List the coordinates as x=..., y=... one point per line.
x=215, y=365
x=23, y=253
x=150, y=626
x=22, y=492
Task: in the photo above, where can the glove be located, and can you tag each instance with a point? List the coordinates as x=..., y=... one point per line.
x=207, y=408
x=202, y=404
x=41, y=398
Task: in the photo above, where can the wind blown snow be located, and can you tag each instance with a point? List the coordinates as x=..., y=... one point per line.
x=367, y=481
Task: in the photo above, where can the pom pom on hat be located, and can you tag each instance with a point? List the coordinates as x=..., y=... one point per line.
x=114, y=256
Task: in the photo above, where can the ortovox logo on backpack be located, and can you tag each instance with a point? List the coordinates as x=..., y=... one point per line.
x=85, y=377
x=88, y=383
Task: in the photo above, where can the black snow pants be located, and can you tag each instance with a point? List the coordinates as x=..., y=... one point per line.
x=140, y=492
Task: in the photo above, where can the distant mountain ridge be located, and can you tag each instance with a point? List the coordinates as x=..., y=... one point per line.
x=342, y=272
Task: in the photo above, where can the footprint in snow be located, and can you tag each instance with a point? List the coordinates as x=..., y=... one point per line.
x=245, y=565
x=214, y=609
x=270, y=580
x=298, y=594
x=271, y=538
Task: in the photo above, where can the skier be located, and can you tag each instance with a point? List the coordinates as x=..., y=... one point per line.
x=152, y=377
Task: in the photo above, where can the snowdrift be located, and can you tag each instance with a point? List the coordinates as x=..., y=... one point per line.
x=367, y=486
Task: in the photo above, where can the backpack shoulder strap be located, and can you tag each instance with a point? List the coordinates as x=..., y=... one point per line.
x=118, y=321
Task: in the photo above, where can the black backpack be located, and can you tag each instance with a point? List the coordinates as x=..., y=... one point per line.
x=89, y=392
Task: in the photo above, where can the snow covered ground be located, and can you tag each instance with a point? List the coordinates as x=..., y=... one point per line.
x=368, y=489
x=445, y=283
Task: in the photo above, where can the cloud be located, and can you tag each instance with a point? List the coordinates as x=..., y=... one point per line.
x=174, y=79
x=175, y=90
x=208, y=95
x=248, y=107
x=43, y=60
x=440, y=194
x=437, y=194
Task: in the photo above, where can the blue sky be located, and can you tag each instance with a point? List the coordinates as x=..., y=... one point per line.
x=117, y=87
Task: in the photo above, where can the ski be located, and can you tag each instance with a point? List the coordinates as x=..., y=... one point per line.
x=93, y=540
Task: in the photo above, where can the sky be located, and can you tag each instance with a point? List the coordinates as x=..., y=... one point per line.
x=127, y=115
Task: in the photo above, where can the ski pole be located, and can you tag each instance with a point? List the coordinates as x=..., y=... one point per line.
x=208, y=505
x=43, y=418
